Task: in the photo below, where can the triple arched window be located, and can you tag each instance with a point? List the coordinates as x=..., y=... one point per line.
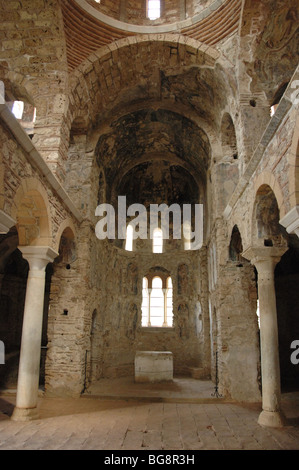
x=157, y=301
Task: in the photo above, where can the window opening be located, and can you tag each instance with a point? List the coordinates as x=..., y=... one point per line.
x=258, y=313
x=156, y=304
x=187, y=236
x=169, y=314
x=153, y=9
x=145, y=320
x=157, y=241
x=129, y=238
x=18, y=109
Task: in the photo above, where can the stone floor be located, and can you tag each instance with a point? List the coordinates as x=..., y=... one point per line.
x=116, y=415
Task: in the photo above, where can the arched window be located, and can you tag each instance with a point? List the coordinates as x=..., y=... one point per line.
x=129, y=238
x=157, y=301
x=145, y=320
x=187, y=236
x=169, y=312
x=18, y=109
x=157, y=241
x=153, y=9
x=26, y=115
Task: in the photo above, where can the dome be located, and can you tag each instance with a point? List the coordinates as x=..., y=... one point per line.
x=151, y=12
x=91, y=24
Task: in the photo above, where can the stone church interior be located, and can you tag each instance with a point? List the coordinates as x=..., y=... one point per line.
x=185, y=102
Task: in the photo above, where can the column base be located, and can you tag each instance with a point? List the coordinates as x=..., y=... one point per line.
x=273, y=419
x=24, y=414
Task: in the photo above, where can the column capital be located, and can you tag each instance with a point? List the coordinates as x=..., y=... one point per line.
x=38, y=256
x=264, y=255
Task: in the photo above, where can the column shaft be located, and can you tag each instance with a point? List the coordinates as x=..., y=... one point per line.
x=28, y=377
x=269, y=336
x=29, y=365
x=265, y=260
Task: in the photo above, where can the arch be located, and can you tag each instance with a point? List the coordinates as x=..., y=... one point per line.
x=263, y=179
x=266, y=230
x=68, y=229
x=31, y=210
x=167, y=105
x=101, y=96
x=236, y=245
x=67, y=247
x=228, y=138
x=269, y=179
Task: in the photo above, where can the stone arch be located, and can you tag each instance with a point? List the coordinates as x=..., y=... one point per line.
x=265, y=179
x=266, y=215
x=67, y=246
x=228, y=138
x=189, y=52
x=174, y=107
x=236, y=245
x=66, y=229
x=268, y=179
x=31, y=210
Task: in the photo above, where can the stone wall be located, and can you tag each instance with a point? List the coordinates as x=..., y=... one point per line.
x=233, y=320
x=33, y=58
x=119, y=333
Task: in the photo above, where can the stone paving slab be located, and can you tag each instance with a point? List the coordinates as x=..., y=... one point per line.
x=99, y=424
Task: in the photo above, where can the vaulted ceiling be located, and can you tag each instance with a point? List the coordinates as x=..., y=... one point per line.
x=85, y=33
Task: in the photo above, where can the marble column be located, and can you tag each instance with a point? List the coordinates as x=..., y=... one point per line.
x=265, y=260
x=28, y=379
